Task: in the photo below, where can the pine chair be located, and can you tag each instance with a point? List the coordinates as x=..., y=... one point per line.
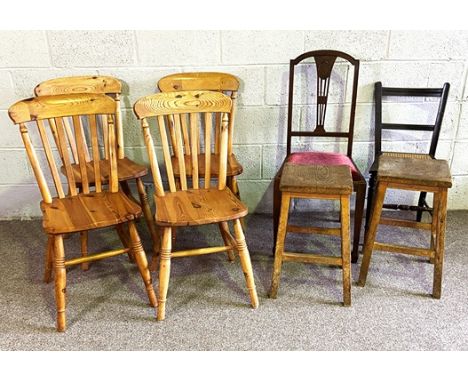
x=324, y=63
x=127, y=169
x=221, y=82
x=78, y=210
x=379, y=93
x=194, y=204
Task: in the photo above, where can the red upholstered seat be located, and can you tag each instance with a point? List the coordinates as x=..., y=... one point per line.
x=324, y=159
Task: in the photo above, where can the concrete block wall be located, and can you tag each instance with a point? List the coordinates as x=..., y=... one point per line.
x=260, y=59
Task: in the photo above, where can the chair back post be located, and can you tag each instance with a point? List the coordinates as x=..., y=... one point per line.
x=199, y=106
x=378, y=119
x=212, y=81
x=324, y=62
x=107, y=85
x=439, y=119
x=380, y=92
x=41, y=111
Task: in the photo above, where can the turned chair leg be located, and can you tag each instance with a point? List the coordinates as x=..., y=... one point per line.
x=125, y=239
x=153, y=229
x=84, y=249
x=279, y=247
x=164, y=270
x=142, y=262
x=60, y=282
x=345, y=249
x=358, y=214
x=370, y=236
x=226, y=234
x=245, y=262
x=440, y=244
x=49, y=259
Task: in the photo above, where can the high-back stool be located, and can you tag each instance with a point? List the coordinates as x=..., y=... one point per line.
x=415, y=174
x=315, y=182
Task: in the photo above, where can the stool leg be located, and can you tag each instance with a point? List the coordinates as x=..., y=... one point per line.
x=60, y=282
x=245, y=262
x=345, y=249
x=370, y=199
x=276, y=207
x=434, y=224
x=84, y=248
x=440, y=246
x=358, y=213
x=370, y=237
x=164, y=270
x=279, y=247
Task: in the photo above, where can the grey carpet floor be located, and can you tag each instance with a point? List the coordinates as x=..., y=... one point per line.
x=208, y=307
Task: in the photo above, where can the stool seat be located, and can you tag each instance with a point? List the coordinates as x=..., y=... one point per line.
x=316, y=179
x=415, y=171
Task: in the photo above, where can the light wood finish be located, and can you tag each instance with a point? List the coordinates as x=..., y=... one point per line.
x=187, y=202
x=414, y=174
x=314, y=182
x=213, y=81
x=82, y=208
x=84, y=167
x=233, y=166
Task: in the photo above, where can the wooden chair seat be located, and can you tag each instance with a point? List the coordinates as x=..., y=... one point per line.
x=88, y=211
x=325, y=159
x=197, y=207
x=233, y=166
x=313, y=179
x=414, y=171
x=127, y=170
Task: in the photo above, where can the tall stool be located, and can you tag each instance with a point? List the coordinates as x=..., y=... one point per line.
x=315, y=182
x=415, y=174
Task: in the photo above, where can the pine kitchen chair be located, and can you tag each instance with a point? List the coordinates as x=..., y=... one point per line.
x=78, y=210
x=199, y=201
x=128, y=169
x=324, y=64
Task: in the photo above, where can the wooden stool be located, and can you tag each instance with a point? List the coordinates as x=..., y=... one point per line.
x=413, y=174
x=315, y=182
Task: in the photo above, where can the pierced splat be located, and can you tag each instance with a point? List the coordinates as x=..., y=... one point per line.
x=324, y=66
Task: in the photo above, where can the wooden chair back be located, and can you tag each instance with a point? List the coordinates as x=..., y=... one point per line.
x=214, y=81
x=381, y=92
x=88, y=84
x=197, y=110
x=51, y=115
x=324, y=63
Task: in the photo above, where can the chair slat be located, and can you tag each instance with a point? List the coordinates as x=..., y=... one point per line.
x=216, y=132
x=96, y=152
x=80, y=144
x=158, y=186
x=45, y=192
x=208, y=128
x=112, y=155
x=231, y=122
x=223, y=142
x=66, y=158
x=105, y=134
x=71, y=138
x=194, y=133
x=180, y=153
x=53, y=129
x=119, y=128
x=185, y=132
x=50, y=158
x=167, y=153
